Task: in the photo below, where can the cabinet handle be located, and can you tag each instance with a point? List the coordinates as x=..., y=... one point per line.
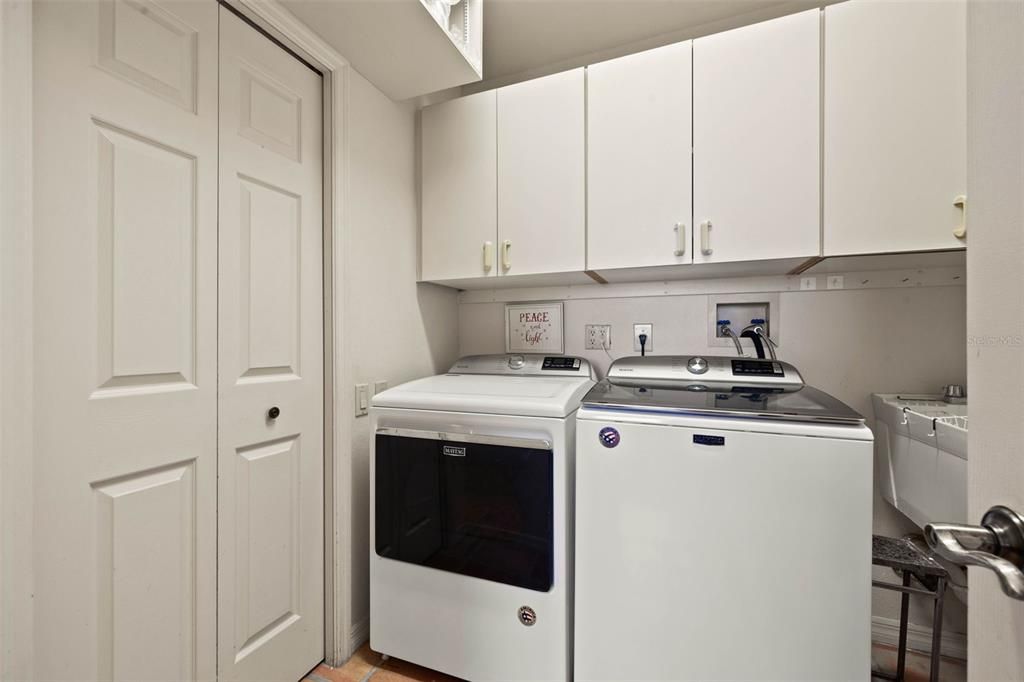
x=488, y=256
x=960, y=231
x=680, y=239
x=506, y=259
x=705, y=238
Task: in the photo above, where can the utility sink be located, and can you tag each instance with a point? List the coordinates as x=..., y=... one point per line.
x=921, y=456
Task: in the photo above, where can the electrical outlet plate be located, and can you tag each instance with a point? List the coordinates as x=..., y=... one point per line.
x=597, y=336
x=644, y=328
x=379, y=386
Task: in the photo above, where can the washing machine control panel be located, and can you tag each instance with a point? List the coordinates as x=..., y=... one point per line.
x=706, y=370
x=759, y=368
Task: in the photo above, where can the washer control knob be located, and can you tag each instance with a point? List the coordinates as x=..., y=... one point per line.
x=516, y=362
x=697, y=365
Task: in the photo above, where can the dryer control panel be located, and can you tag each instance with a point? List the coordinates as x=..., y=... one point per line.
x=524, y=364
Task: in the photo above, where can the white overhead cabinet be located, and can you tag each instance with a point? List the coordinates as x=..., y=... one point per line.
x=459, y=201
x=639, y=175
x=541, y=175
x=895, y=126
x=756, y=127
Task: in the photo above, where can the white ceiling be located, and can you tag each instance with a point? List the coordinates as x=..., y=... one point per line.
x=521, y=36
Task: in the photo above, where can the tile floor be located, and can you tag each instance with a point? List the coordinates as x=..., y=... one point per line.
x=366, y=665
x=883, y=657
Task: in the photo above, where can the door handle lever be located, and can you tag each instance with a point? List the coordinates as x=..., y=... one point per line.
x=997, y=544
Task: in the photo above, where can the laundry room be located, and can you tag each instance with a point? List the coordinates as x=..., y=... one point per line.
x=511, y=340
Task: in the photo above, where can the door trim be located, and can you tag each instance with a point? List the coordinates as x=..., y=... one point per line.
x=16, y=419
x=282, y=26
x=16, y=332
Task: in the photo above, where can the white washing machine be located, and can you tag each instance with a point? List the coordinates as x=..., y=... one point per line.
x=723, y=525
x=471, y=517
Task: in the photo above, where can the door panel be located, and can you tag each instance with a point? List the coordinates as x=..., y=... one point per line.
x=541, y=175
x=125, y=95
x=995, y=317
x=460, y=187
x=895, y=117
x=756, y=124
x=270, y=485
x=639, y=175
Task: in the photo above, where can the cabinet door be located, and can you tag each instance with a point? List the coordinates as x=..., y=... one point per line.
x=895, y=125
x=639, y=173
x=756, y=174
x=459, y=188
x=541, y=168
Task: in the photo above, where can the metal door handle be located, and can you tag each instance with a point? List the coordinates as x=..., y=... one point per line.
x=488, y=255
x=680, y=239
x=960, y=231
x=705, y=238
x=997, y=544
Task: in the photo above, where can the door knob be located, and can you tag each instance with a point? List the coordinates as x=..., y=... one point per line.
x=274, y=412
x=997, y=544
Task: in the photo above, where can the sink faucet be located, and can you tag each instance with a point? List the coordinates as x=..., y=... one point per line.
x=725, y=330
x=755, y=332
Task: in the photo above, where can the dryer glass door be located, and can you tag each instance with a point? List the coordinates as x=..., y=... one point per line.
x=481, y=509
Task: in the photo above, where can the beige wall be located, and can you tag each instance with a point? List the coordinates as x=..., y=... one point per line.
x=850, y=343
x=395, y=329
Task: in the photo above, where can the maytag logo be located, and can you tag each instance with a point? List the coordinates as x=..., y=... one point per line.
x=454, y=451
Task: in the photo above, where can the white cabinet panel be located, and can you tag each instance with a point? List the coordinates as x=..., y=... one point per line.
x=756, y=138
x=460, y=187
x=639, y=172
x=895, y=125
x=541, y=175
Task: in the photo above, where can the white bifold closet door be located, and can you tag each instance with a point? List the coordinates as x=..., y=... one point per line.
x=125, y=340
x=139, y=409
x=270, y=585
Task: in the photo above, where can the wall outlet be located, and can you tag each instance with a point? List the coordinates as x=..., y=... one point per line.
x=808, y=283
x=836, y=281
x=646, y=328
x=597, y=336
x=362, y=400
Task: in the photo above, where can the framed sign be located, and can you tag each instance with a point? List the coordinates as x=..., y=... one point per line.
x=533, y=328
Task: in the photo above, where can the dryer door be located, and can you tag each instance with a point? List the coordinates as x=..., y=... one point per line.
x=476, y=505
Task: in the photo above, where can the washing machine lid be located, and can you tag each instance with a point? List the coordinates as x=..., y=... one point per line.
x=532, y=396
x=781, y=403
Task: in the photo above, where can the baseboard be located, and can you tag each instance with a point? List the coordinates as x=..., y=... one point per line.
x=358, y=635
x=919, y=638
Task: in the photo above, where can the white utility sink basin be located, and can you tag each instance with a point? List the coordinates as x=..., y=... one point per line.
x=921, y=456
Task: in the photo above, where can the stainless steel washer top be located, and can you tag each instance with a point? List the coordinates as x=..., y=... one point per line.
x=747, y=388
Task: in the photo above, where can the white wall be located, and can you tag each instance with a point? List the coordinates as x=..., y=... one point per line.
x=396, y=330
x=850, y=343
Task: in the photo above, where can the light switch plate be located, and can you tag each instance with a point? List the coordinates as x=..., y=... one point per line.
x=362, y=400
x=836, y=282
x=379, y=386
x=644, y=328
x=808, y=283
